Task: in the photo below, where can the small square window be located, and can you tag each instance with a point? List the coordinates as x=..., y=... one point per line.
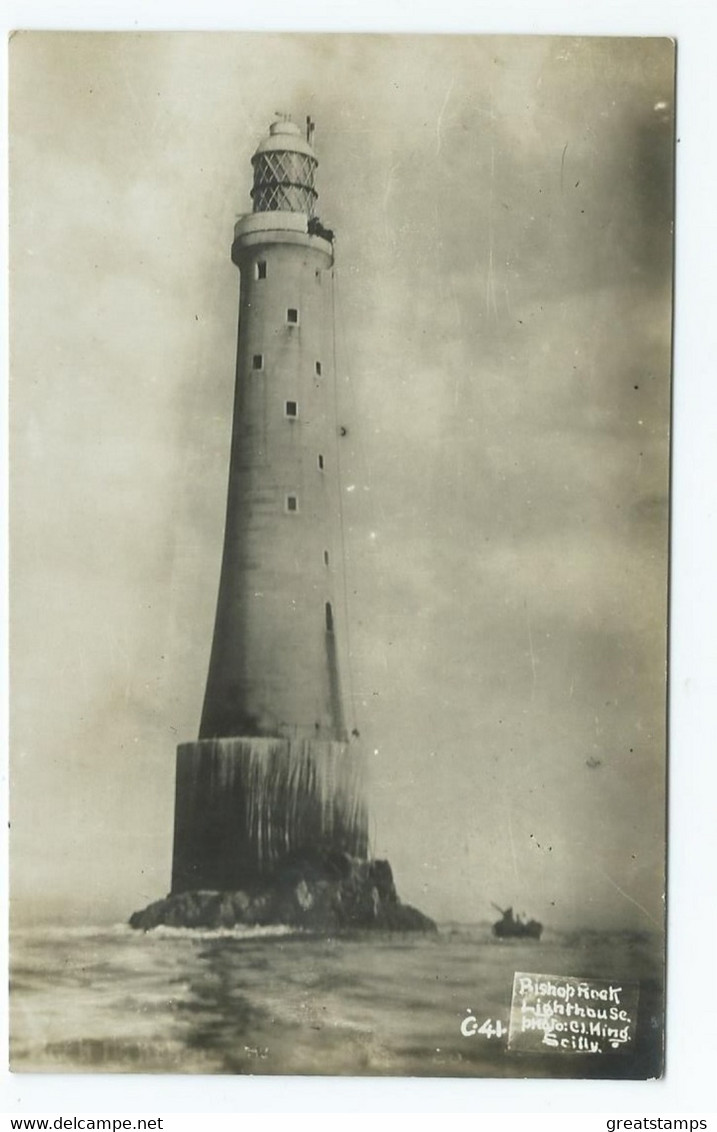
x=260, y=269
x=321, y=462
x=257, y=361
x=318, y=369
x=292, y=315
x=292, y=503
x=291, y=409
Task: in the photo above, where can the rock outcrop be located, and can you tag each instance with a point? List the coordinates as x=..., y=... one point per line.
x=330, y=895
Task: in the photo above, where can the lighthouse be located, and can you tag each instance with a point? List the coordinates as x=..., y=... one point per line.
x=270, y=822
x=273, y=775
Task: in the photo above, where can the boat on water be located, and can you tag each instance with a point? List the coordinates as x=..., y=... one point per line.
x=511, y=926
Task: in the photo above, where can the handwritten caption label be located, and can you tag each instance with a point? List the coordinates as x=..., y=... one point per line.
x=562, y=1014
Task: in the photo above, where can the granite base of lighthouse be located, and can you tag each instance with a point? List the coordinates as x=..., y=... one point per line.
x=274, y=831
x=338, y=894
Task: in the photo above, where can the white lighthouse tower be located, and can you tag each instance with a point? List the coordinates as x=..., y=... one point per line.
x=273, y=774
x=270, y=824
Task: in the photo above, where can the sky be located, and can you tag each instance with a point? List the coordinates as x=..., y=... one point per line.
x=503, y=217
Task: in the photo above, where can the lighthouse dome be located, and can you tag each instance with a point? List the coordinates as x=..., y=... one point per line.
x=286, y=136
x=284, y=166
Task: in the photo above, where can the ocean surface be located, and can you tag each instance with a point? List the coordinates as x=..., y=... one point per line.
x=264, y=1001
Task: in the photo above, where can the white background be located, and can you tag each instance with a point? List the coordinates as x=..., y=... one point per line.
x=689, y=1086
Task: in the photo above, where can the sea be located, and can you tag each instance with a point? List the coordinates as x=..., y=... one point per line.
x=276, y=1001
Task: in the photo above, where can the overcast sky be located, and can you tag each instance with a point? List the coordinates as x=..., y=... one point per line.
x=503, y=217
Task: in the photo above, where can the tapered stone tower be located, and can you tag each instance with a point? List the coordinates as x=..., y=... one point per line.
x=270, y=824
x=274, y=776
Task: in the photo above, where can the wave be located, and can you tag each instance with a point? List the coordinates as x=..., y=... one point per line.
x=238, y=932
x=57, y=933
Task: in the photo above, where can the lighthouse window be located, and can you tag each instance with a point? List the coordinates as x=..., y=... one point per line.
x=258, y=361
x=260, y=267
x=292, y=315
x=321, y=462
x=329, y=618
x=291, y=409
x=326, y=558
x=318, y=369
x=292, y=503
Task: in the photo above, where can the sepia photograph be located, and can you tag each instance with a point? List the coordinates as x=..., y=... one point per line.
x=340, y=392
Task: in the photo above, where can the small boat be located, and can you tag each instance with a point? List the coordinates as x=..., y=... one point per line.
x=515, y=927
